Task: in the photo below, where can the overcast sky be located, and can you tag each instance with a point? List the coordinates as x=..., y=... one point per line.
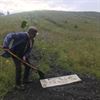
x=68, y=5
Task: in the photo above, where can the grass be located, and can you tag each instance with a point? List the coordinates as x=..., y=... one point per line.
x=6, y=75
x=67, y=39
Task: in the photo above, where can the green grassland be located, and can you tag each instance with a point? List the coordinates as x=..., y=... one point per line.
x=70, y=40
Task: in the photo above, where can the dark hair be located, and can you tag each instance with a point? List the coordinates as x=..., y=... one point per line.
x=32, y=30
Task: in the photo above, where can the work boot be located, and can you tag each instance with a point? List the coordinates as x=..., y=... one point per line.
x=20, y=87
x=27, y=82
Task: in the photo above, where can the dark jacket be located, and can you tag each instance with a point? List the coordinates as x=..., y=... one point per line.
x=18, y=43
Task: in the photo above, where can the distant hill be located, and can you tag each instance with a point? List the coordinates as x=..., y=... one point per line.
x=59, y=20
x=1, y=14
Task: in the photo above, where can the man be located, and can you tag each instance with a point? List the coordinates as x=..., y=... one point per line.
x=21, y=45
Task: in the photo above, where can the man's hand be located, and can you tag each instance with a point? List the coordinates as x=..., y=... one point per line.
x=24, y=58
x=5, y=54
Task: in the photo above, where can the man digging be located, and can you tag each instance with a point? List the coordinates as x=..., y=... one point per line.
x=20, y=44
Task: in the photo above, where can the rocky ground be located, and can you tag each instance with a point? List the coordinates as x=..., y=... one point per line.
x=87, y=89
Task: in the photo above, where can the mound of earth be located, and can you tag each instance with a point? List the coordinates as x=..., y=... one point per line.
x=87, y=89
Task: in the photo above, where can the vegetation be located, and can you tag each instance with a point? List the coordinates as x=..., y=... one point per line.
x=70, y=40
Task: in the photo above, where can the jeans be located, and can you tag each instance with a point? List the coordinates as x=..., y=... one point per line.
x=19, y=71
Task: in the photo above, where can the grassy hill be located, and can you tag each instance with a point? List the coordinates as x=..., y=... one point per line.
x=1, y=14
x=70, y=40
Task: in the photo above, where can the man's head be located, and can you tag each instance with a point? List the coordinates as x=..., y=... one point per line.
x=32, y=31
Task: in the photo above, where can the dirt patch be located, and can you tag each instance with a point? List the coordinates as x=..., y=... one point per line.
x=88, y=89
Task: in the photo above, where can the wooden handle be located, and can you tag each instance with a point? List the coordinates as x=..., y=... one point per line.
x=19, y=58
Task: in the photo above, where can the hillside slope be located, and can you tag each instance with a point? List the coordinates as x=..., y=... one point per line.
x=67, y=40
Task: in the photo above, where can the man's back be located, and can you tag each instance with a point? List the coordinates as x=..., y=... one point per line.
x=20, y=42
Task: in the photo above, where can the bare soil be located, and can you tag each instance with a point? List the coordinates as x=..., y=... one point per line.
x=87, y=89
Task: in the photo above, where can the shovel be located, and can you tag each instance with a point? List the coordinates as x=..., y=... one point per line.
x=50, y=82
x=41, y=74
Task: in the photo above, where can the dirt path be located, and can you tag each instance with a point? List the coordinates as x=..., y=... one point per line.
x=88, y=89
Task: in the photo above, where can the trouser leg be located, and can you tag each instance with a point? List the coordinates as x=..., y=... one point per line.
x=26, y=72
x=18, y=71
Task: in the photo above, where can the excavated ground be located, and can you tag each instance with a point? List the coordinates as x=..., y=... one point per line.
x=87, y=89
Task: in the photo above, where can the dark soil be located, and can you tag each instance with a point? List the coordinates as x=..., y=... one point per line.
x=87, y=89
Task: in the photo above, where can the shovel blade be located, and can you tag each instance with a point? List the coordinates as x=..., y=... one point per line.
x=41, y=74
x=57, y=81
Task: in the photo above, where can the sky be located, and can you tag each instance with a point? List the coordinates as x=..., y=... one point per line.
x=15, y=6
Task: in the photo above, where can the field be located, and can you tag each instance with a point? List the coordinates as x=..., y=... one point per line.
x=68, y=40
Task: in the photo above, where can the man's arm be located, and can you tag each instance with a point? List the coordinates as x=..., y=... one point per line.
x=26, y=55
